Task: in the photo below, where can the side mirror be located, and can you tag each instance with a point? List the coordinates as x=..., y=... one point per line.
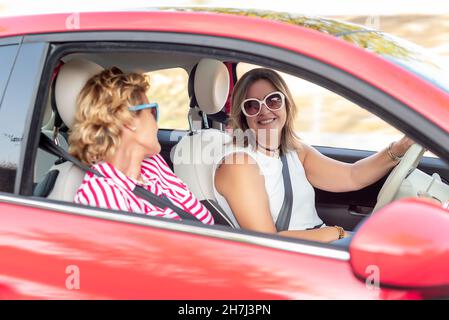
x=407, y=242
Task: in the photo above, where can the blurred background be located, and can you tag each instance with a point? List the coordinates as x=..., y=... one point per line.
x=324, y=118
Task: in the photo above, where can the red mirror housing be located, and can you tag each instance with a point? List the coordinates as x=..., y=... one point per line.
x=407, y=241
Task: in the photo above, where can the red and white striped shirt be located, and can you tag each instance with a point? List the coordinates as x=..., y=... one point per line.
x=115, y=190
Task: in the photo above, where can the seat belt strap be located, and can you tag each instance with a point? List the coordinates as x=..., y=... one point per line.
x=285, y=213
x=49, y=146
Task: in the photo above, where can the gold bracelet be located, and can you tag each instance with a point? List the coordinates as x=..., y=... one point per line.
x=341, y=232
x=393, y=156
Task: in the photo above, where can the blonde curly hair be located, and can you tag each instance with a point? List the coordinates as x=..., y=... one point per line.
x=102, y=111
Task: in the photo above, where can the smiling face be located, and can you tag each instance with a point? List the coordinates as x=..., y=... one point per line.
x=268, y=124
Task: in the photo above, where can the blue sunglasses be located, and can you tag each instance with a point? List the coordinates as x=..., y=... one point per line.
x=154, y=106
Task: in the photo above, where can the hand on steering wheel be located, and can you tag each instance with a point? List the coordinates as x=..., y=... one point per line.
x=409, y=162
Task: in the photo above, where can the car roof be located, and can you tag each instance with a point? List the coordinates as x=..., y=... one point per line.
x=325, y=25
x=360, y=54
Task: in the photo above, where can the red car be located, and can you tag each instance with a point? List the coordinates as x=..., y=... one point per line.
x=51, y=248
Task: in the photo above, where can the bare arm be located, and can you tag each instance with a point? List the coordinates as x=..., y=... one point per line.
x=336, y=176
x=243, y=187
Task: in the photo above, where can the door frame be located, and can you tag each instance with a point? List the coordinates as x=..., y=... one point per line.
x=330, y=77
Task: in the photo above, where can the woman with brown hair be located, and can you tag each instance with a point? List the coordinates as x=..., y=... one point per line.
x=115, y=132
x=248, y=179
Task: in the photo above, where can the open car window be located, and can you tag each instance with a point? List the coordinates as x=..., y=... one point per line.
x=325, y=120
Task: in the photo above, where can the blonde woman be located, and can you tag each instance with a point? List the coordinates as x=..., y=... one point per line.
x=115, y=132
x=248, y=180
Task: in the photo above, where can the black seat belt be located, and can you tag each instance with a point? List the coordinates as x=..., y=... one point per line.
x=285, y=213
x=47, y=145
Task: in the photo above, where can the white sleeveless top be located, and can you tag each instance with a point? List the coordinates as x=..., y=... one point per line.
x=304, y=215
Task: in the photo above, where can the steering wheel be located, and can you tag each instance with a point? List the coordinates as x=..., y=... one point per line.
x=408, y=163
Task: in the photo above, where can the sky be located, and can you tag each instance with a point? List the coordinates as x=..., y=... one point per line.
x=310, y=7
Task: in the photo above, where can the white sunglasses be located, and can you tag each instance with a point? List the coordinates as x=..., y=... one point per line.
x=273, y=101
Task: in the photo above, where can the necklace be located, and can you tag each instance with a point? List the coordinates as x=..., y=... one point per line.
x=273, y=152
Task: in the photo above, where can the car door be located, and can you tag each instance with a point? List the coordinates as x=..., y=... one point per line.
x=59, y=251
x=54, y=250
